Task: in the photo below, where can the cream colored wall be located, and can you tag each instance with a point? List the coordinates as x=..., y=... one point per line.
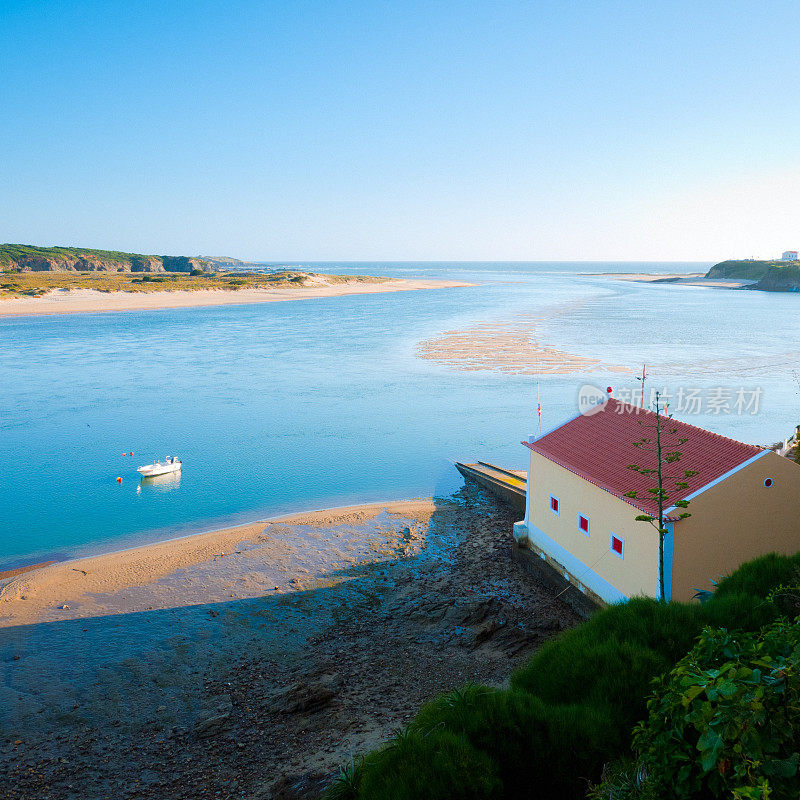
x=637, y=572
x=736, y=520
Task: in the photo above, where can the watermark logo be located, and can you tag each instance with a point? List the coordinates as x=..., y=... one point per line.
x=591, y=399
x=685, y=401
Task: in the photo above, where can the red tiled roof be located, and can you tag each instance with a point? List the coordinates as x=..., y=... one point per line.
x=599, y=448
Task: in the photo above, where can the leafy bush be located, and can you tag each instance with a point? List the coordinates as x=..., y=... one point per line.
x=725, y=722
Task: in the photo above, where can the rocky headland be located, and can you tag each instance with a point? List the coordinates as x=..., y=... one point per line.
x=768, y=276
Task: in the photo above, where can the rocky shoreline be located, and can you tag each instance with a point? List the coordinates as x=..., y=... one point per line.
x=268, y=696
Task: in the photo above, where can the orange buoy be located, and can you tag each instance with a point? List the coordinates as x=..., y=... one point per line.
x=119, y=480
x=131, y=452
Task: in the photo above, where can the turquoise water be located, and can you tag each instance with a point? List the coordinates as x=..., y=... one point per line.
x=278, y=407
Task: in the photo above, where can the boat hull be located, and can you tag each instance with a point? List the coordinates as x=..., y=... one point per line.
x=152, y=470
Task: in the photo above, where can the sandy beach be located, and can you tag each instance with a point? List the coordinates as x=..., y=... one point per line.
x=72, y=589
x=254, y=662
x=90, y=301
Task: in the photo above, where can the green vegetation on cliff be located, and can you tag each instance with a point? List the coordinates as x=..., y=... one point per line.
x=26, y=270
x=11, y=254
x=785, y=278
x=772, y=276
x=28, y=257
x=742, y=270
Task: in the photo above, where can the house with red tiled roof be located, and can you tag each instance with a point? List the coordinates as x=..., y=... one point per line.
x=583, y=499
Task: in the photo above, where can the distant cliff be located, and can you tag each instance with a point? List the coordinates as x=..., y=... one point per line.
x=225, y=262
x=772, y=276
x=742, y=270
x=784, y=278
x=24, y=257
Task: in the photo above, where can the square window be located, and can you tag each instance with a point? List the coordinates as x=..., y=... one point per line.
x=617, y=546
x=583, y=524
x=554, y=504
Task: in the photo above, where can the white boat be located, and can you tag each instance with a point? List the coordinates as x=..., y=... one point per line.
x=170, y=464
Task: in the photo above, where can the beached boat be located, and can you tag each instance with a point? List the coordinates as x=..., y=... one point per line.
x=170, y=464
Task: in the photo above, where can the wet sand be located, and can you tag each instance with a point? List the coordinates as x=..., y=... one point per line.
x=254, y=662
x=91, y=301
x=73, y=589
x=10, y=573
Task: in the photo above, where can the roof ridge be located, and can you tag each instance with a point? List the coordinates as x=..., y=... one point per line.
x=599, y=447
x=689, y=425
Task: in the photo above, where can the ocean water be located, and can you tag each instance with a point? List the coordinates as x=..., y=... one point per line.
x=279, y=407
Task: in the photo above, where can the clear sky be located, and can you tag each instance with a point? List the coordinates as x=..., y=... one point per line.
x=569, y=130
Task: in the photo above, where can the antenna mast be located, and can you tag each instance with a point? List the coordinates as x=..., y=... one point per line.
x=642, y=379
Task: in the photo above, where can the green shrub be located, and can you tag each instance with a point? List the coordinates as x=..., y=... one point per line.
x=624, y=779
x=530, y=742
x=726, y=720
x=573, y=707
x=439, y=766
x=610, y=660
x=739, y=611
x=347, y=784
x=760, y=576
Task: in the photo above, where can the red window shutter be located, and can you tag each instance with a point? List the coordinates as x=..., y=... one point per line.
x=616, y=545
x=554, y=503
x=583, y=523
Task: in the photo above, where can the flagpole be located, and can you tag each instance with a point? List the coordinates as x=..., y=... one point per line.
x=539, y=407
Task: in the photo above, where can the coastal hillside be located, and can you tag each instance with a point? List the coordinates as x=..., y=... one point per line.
x=771, y=276
x=228, y=264
x=783, y=278
x=746, y=270
x=28, y=258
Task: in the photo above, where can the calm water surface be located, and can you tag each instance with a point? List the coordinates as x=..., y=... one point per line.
x=279, y=407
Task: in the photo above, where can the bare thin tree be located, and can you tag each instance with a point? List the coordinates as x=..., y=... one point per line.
x=665, y=448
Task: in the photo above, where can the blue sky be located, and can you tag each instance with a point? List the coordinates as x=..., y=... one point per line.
x=403, y=130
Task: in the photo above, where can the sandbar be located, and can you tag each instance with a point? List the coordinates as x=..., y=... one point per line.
x=680, y=279
x=512, y=347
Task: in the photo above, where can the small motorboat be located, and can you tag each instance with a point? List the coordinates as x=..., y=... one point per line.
x=170, y=464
